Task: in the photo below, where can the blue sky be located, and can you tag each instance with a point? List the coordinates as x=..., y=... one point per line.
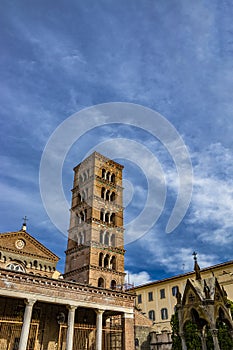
x=172, y=56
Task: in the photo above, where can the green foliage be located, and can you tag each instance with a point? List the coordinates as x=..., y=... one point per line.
x=176, y=341
x=192, y=339
x=192, y=335
x=224, y=338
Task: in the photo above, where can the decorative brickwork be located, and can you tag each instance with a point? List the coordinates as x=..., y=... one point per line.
x=95, y=250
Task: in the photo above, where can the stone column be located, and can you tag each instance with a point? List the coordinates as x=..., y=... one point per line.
x=184, y=347
x=214, y=333
x=128, y=331
x=70, y=327
x=203, y=342
x=99, y=328
x=26, y=324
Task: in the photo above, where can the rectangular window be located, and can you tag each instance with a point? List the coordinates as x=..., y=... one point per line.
x=174, y=290
x=162, y=293
x=150, y=296
x=152, y=315
x=139, y=299
x=164, y=314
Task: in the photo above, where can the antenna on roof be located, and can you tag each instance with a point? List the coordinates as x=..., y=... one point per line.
x=183, y=265
x=24, y=226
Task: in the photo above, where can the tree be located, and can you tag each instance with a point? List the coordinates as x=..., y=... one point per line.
x=176, y=340
x=224, y=338
x=192, y=338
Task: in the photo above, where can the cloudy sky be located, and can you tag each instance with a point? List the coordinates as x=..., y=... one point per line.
x=172, y=56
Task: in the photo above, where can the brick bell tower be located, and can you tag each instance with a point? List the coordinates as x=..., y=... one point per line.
x=95, y=249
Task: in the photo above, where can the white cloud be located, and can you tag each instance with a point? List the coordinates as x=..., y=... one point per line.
x=137, y=279
x=212, y=202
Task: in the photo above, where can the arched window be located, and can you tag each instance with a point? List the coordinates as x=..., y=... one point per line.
x=101, y=257
x=113, y=243
x=106, y=261
x=164, y=314
x=107, y=217
x=151, y=315
x=101, y=282
x=113, y=263
x=107, y=195
x=103, y=173
x=79, y=198
x=113, y=218
x=15, y=267
x=102, y=192
x=82, y=216
x=101, y=237
x=113, y=284
x=102, y=215
x=35, y=263
x=113, y=197
x=77, y=219
x=113, y=178
x=108, y=176
x=106, y=238
x=81, y=238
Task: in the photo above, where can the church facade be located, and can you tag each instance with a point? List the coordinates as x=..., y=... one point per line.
x=87, y=307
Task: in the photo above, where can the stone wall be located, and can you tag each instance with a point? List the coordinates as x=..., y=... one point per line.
x=160, y=341
x=142, y=329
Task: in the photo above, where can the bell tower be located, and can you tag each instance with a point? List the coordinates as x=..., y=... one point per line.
x=95, y=249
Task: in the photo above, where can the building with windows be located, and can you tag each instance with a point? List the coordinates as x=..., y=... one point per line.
x=19, y=251
x=157, y=300
x=86, y=308
x=203, y=314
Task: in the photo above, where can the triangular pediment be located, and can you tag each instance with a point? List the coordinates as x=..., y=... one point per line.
x=203, y=289
x=190, y=293
x=21, y=242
